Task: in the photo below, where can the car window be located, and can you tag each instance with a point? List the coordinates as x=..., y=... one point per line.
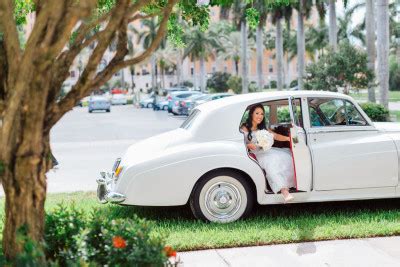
x=190, y=119
x=334, y=112
x=246, y=115
x=284, y=114
x=353, y=116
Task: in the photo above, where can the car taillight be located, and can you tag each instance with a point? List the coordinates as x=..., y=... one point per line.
x=176, y=103
x=183, y=104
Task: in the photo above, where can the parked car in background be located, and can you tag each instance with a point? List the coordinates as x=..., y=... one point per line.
x=119, y=99
x=185, y=105
x=99, y=103
x=174, y=97
x=147, y=102
x=209, y=97
x=162, y=104
x=338, y=154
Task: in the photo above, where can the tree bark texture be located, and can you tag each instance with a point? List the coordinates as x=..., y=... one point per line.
x=382, y=16
x=30, y=83
x=332, y=25
x=260, y=53
x=245, y=67
x=203, y=77
x=279, y=54
x=371, y=49
x=300, y=45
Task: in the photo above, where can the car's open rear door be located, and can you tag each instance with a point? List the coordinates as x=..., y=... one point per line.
x=300, y=151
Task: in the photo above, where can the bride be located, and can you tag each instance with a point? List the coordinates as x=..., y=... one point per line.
x=277, y=162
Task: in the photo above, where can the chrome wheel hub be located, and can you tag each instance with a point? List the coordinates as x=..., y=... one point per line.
x=223, y=200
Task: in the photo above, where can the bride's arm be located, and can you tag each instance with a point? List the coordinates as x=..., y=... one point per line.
x=279, y=137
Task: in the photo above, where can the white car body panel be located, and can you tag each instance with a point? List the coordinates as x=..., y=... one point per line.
x=331, y=163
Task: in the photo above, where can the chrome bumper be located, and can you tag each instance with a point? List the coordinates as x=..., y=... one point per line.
x=104, y=193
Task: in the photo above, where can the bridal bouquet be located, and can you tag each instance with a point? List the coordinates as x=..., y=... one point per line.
x=265, y=139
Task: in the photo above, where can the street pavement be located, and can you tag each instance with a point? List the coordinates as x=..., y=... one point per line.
x=383, y=251
x=85, y=143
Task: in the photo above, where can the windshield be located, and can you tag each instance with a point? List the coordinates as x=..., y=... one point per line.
x=189, y=121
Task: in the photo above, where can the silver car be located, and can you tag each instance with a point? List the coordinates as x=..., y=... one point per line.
x=99, y=103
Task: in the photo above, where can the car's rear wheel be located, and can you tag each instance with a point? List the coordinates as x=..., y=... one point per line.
x=108, y=110
x=150, y=105
x=165, y=108
x=222, y=197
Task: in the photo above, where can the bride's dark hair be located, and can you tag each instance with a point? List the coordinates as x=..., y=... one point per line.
x=249, y=122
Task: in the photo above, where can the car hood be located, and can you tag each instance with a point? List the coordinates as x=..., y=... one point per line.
x=154, y=146
x=388, y=126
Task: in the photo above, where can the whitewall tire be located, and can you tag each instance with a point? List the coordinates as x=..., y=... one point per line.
x=223, y=196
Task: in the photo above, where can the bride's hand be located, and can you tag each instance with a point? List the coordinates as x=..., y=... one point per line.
x=251, y=146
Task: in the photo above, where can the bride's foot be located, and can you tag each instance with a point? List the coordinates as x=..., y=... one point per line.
x=287, y=197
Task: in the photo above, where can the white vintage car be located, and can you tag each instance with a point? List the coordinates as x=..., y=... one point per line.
x=338, y=153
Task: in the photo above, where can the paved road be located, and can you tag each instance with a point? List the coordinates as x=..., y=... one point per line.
x=383, y=251
x=85, y=143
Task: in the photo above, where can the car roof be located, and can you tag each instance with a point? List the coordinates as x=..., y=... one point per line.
x=213, y=114
x=98, y=97
x=184, y=92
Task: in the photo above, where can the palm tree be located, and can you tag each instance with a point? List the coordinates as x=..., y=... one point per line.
x=317, y=39
x=382, y=15
x=166, y=58
x=278, y=13
x=146, y=38
x=370, y=40
x=332, y=25
x=263, y=9
x=232, y=49
x=199, y=46
x=221, y=32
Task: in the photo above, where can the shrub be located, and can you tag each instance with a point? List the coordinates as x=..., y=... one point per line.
x=345, y=68
x=394, y=74
x=293, y=83
x=273, y=84
x=235, y=83
x=218, y=82
x=72, y=239
x=123, y=242
x=187, y=84
x=62, y=227
x=375, y=112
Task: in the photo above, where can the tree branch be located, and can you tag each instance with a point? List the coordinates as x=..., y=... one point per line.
x=11, y=41
x=140, y=16
x=106, y=74
x=56, y=111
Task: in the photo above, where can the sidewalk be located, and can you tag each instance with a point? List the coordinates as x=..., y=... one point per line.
x=382, y=251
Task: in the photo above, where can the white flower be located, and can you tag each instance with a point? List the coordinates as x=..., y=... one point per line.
x=265, y=139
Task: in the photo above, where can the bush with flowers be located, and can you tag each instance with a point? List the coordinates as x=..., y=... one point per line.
x=75, y=239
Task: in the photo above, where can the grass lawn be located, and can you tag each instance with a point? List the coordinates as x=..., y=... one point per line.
x=394, y=96
x=266, y=225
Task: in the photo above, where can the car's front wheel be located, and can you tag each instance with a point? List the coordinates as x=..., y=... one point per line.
x=222, y=197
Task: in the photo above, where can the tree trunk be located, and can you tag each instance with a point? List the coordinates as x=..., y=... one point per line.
x=371, y=50
x=260, y=50
x=288, y=78
x=382, y=15
x=300, y=46
x=153, y=72
x=179, y=68
x=332, y=25
x=279, y=54
x=24, y=180
x=245, y=70
x=237, y=67
x=202, y=75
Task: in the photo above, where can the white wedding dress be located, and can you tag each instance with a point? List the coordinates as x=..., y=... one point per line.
x=277, y=163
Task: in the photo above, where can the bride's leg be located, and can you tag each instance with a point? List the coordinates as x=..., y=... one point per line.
x=286, y=195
